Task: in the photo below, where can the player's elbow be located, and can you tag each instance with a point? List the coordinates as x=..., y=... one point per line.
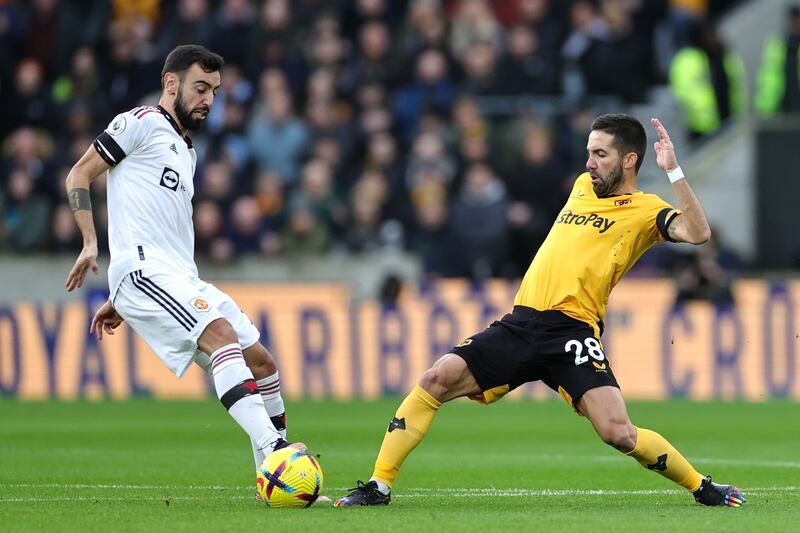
x=76, y=179
x=701, y=235
x=69, y=181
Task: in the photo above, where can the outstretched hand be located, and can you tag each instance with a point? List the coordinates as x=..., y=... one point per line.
x=665, y=150
x=106, y=318
x=86, y=260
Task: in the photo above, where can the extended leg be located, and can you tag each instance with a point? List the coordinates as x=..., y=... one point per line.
x=448, y=378
x=605, y=408
x=235, y=386
x=262, y=365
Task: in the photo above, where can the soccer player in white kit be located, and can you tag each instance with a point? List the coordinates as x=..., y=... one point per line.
x=153, y=280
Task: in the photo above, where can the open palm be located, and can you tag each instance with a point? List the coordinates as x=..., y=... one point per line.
x=665, y=150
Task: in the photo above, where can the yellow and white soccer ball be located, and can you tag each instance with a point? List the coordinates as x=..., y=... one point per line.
x=289, y=478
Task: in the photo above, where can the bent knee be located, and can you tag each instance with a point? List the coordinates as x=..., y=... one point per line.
x=217, y=334
x=260, y=361
x=620, y=436
x=434, y=381
x=223, y=329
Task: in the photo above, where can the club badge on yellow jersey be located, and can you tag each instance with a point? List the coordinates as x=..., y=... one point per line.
x=592, y=244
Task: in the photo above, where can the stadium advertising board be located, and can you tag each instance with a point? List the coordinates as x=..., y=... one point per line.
x=327, y=345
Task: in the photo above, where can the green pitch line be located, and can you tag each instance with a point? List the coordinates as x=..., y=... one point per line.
x=160, y=466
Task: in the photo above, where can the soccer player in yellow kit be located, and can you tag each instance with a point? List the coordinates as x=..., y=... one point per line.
x=553, y=332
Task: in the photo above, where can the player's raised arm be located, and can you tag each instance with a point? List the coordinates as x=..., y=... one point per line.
x=691, y=225
x=78, y=181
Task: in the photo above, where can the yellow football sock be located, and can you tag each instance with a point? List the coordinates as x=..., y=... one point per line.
x=406, y=430
x=654, y=452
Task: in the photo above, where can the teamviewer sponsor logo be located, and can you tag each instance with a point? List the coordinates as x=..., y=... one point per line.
x=170, y=179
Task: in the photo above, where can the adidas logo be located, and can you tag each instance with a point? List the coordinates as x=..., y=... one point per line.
x=173, y=148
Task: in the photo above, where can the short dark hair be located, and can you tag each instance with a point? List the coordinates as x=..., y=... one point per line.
x=184, y=56
x=629, y=134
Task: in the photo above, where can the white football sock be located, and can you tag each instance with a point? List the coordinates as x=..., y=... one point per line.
x=270, y=389
x=383, y=487
x=238, y=392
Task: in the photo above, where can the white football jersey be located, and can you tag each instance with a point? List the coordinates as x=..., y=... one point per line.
x=150, y=189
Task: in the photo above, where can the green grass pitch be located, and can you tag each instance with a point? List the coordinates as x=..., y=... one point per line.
x=161, y=466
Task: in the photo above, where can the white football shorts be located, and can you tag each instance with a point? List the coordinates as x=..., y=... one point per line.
x=170, y=312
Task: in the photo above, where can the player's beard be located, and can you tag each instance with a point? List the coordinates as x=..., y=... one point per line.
x=609, y=183
x=184, y=114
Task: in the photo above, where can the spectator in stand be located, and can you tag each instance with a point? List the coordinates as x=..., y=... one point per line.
x=361, y=12
x=42, y=35
x=779, y=75
x=606, y=52
x=12, y=38
x=317, y=192
x=708, y=81
x=479, y=64
x=324, y=123
x=188, y=22
x=707, y=274
x=31, y=152
x=373, y=119
x=367, y=198
x=373, y=62
x=132, y=68
x=479, y=222
x=27, y=102
x=432, y=236
x=217, y=184
x=270, y=198
x=275, y=43
x=26, y=214
x=81, y=23
x=277, y=139
x=325, y=46
x=82, y=84
x=474, y=23
x=232, y=24
x=431, y=89
x=136, y=9
x=525, y=69
x=684, y=15
x=429, y=162
x=425, y=27
x=226, y=122
x=208, y=233
x=536, y=195
x=549, y=19
x=66, y=237
x=329, y=150
x=382, y=157
x=304, y=235
x=245, y=227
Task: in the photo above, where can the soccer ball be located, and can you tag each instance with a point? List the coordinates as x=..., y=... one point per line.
x=289, y=478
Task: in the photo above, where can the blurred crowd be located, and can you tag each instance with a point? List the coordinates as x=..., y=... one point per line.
x=341, y=125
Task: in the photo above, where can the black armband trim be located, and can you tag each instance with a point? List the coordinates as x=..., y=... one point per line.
x=108, y=149
x=663, y=220
x=246, y=388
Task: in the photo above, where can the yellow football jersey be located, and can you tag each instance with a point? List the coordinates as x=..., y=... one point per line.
x=592, y=244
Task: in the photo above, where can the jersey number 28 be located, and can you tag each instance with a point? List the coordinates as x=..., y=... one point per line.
x=593, y=348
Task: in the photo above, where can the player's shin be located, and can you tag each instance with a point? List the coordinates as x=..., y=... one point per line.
x=270, y=390
x=654, y=452
x=238, y=392
x=405, y=432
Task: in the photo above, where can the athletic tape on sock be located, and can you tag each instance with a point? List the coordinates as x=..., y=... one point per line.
x=241, y=390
